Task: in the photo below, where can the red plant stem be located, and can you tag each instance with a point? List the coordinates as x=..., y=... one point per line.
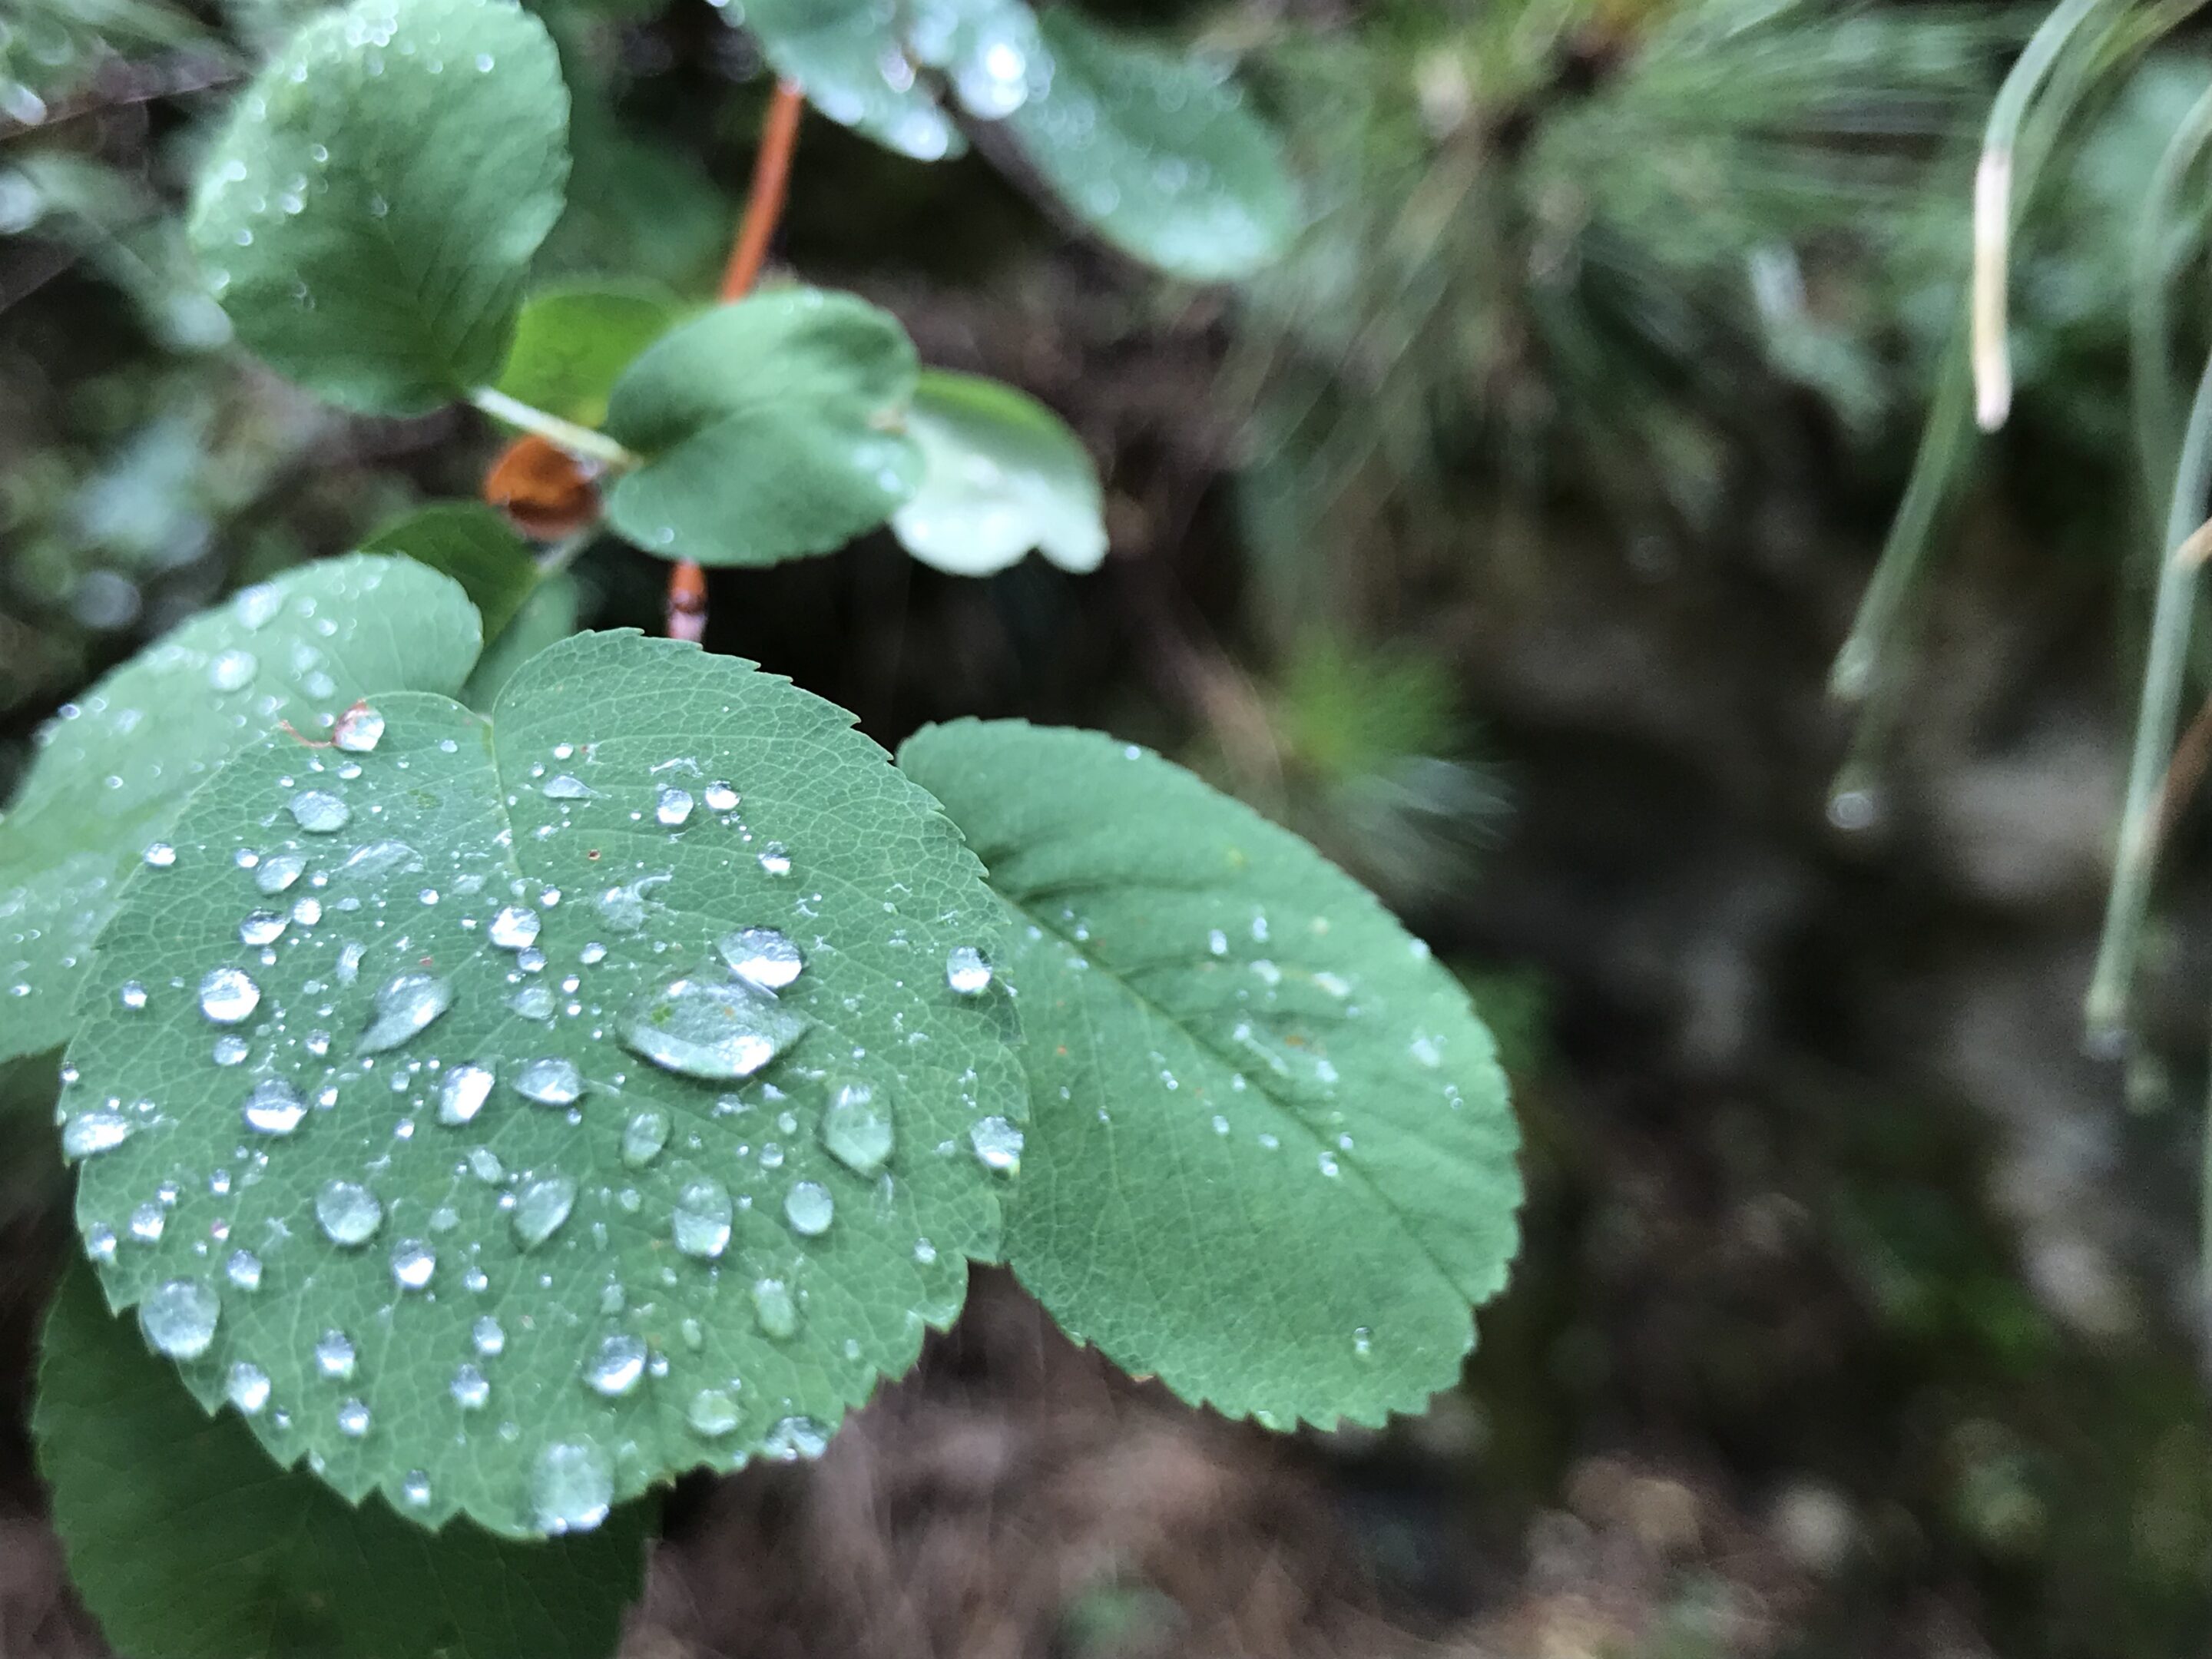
x=687, y=583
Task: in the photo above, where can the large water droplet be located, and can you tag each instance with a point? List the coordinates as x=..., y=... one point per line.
x=273, y=1109
x=278, y=871
x=462, y=1094
x=179, y=1318
x=762, y=956
x=571, y=1486
x=809, y=1208
x=549, y=1082
x=334, y=1356
x=406, y=1004
x=247, y=1387
x=263, y=927
x=776, y=1308
x=412, y=1264
x=349, y=1211
x=228, y=996
x=513, y=928
x=359, y=730
x=856, y=1128
x=88, y=1132
x=540, y=1208
x=615, y=1370
x=319, y=812
x=701, y=1225
x=643, y=1137
x=712, y=1412
x=711, y=1028
x=966, y=971
x=998, y=1144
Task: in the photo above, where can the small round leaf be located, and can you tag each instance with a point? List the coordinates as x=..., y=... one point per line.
x=1003, y=474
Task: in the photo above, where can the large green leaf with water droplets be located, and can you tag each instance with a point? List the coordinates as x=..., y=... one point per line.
x=1157, y=153
x=1270, y=1157
x=112, y=771
x=640, y=1243
x=849, y=57
x=368, y=215
x=768, y=429
x=187, y=1543
x=1003, y=474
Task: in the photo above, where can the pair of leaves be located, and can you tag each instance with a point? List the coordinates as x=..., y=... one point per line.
x=1157, y=153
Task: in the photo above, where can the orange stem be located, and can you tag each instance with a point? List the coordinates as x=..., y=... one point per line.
x=687, y=583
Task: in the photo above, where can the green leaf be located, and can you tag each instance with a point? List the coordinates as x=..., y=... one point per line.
x=547, y=617
x=1270, y=1157
x=473, y=545
x=572, y=343
x=989, y=51
x=187, y=1543
x=112, y=772
x=765, y=429
x=673, y=1268
x=1002, y=474
x=846, y=53
x=368, y=216
x=1159, y=154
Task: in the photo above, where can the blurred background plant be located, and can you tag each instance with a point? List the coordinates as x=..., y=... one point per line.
x=1498, y=539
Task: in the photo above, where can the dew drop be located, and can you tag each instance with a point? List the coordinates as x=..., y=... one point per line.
x=673, y=807
x=359, y=730
x=643, y=1137
x=762, y=956
x=462, y=1094
x=571, y=1486
x=513, y=928
x=349, y=1211
x=701, y=1223
x=776, y=859
x=273, y=1109
x=966, y=971
x=795, y=1437
x=998, y=1144
x=856, y=1128
x=712, y=1412
x=244, y=1270
x=179, y=1318
x=616, y=1368
x=541, y=1207
x=489, y=1337
x=278, y=871
x=549, y=1082
x=247, y=1387
x=228, y=996
x=229, y=1050
x=90, y=1133
x=353, y=1419
x=132, y=996
x=810, y=1209
x=159, y=855
x=415, y=1489
x=319, y=812
x=721, y=1029
x=263, y=927
x=233, y=671
x=719, y=798
x=775, y=1307
x=469, y=1390
x=565, y=787
x=412, y=1264
x=532, y=1002
x=405, y=1006
x=147, y=1222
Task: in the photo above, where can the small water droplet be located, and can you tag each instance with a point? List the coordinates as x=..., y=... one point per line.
x=462, y=1094
x=513, y=928
x=228, y=996
x=532, y=1002
x=349, y=1211
x=319, y=812
x=132, y=996
x=229, y=1050
x=719, y=798
x=413, y=1262
x=856, y=1127
x=490, y=1339
x=263, y=927
x=562, y=787
x=615, y=1370
x=775, y=1307
x=244, y=1270
x=643, y=1137
x=415, y=1489
x=673, y=807
x=712, y=1412
x=179, y=1318
x=966, y=971
x=159, y=855
x=809, y=1208
x=541, y=1207
x=247, y=1387
x=404, y=1006
x=359, y=730
x=762, y=956
x=469, y=1390
x=334, y=1356
x=571, y=1486
x=775, y=860
x=233, y=670
x=701, y=1223
x=353, y=1419
x=795, y=1437
x=91, y=1132
x=998, y=1144
x=278, y=871
x=549, y=1082
x=273, y=1107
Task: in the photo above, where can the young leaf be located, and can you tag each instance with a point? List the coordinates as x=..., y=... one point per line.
x=1002, y=474
x=571, y=1097
x=766, y=431
x=1270, y=1157
x=368, y=216
x=187, y=1543
x=572, y=343
x=846, y=54
x=472, y=544
x=112, y=772
x=1159, y=154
